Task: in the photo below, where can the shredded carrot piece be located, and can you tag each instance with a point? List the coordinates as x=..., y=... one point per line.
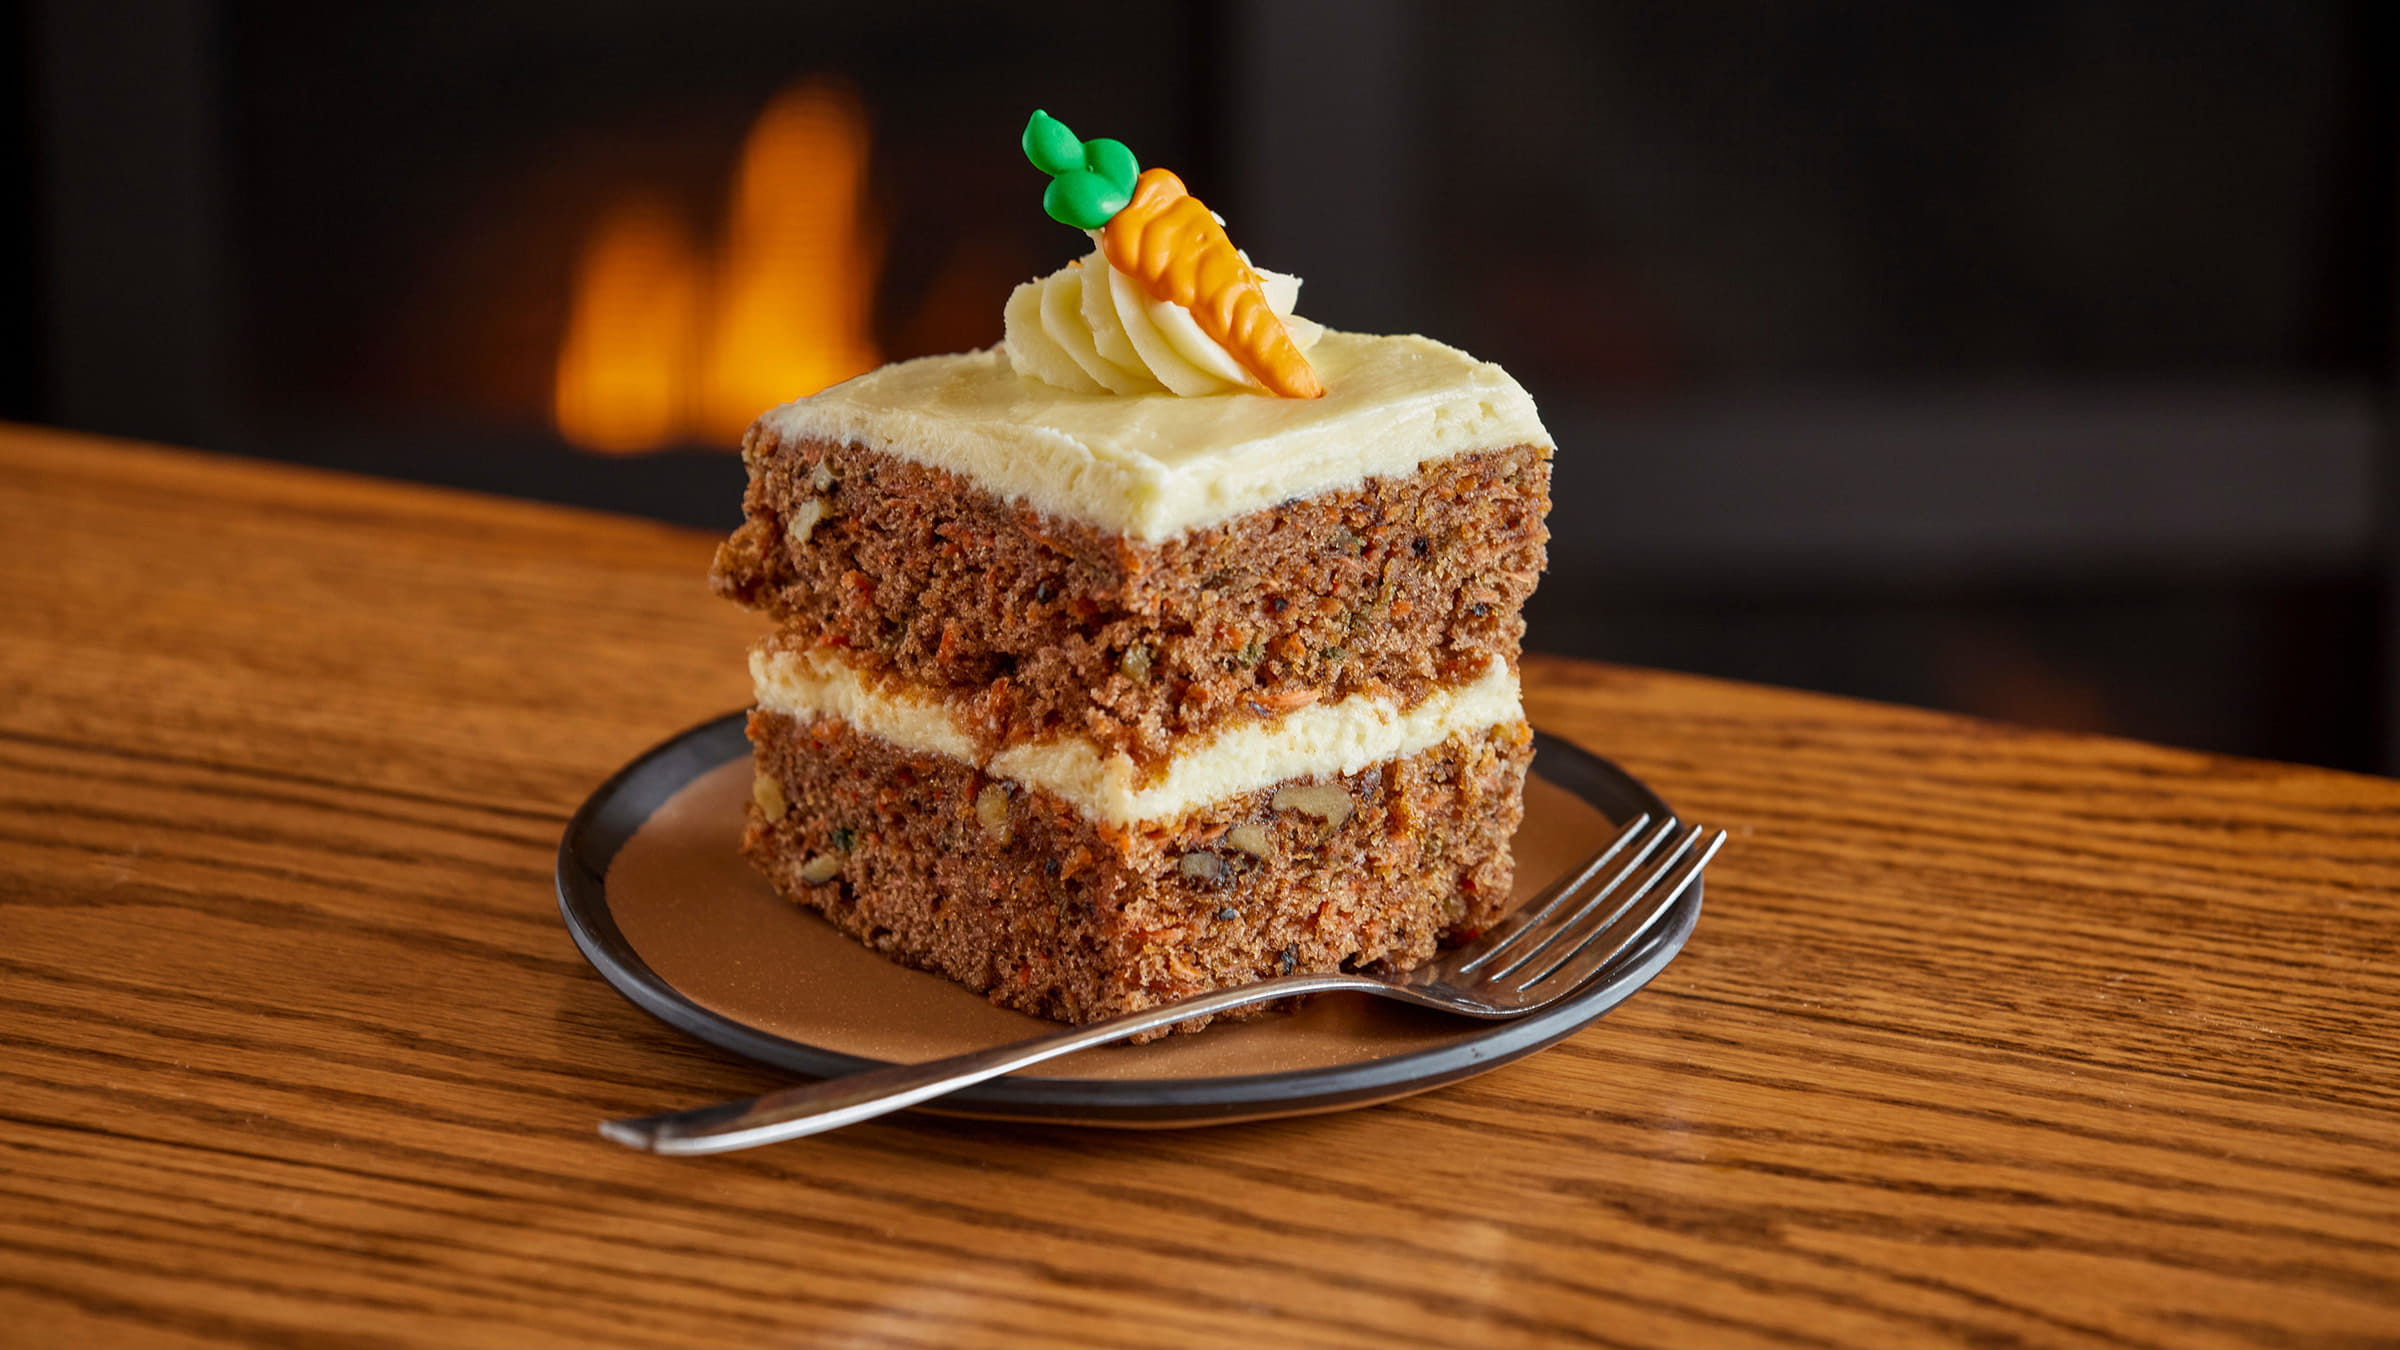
x=1166, y=240
x=1285, y=701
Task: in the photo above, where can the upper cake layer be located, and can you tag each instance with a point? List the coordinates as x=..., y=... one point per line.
x=1152, y=468
x=1394, y=586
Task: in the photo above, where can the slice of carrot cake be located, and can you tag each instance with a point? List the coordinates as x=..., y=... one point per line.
x=1169, y=645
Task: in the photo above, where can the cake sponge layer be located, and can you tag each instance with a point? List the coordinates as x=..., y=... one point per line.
x=1012, y=891
x=1037, y=627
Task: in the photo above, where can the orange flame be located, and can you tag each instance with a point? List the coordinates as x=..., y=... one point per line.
x=632, y=332
x=663, y=347
x=797, y=275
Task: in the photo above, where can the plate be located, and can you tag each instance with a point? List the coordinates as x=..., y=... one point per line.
x=665, y=909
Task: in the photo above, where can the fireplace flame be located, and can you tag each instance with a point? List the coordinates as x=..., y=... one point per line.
x=665, y=346
x=632, y=332
x=796, y=278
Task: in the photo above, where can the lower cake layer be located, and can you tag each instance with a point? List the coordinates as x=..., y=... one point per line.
x=1011, y=891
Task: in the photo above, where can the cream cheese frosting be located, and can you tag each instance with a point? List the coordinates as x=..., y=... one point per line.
x=1089, y=328
x=1154, y=468
x=1319, y=741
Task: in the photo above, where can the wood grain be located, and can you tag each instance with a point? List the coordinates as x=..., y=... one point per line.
x=1988, y=1036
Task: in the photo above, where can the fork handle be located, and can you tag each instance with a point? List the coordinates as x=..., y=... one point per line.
x=834, y=1102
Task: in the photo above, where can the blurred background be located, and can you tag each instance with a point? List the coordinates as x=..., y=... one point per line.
x=2034, y=360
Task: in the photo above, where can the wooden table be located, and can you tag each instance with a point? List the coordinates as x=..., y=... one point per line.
x=1987, y=1036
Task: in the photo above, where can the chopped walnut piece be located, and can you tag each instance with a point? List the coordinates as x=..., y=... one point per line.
x=1202, y=865
x=804, y=520
x=1326, y=801
x=991, y=808
x=1252, y=839
x=769, y=795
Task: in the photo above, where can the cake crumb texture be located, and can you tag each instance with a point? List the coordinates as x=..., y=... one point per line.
x=1040, y=627
x=1014, y=893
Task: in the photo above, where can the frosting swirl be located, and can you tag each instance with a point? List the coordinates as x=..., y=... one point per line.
x=1091, y=329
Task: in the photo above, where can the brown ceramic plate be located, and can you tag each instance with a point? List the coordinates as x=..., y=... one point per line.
x=661, y=905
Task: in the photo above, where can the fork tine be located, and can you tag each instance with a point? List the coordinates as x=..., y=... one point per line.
x=1609, y=899
x=1501, y=937
x=1589, y=886
x=1590, y=947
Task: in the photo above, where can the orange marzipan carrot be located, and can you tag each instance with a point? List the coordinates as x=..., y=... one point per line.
x=1166, y=240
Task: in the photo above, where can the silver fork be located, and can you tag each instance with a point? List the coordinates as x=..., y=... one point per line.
x=1550, y=948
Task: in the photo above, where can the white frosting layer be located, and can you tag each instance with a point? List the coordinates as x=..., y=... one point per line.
x=1154, y=467
x=1319, y=741
x=1090, y=329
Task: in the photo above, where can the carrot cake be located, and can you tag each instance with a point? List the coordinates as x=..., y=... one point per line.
x=1169, y=645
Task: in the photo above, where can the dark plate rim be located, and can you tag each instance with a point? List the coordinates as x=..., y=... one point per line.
x=620, y=806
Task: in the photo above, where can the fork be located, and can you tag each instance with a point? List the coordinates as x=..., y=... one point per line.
x=1551, y=947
